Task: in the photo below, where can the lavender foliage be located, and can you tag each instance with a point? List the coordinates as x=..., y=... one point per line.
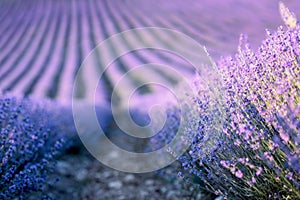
x=32, y=135
x=256, y=153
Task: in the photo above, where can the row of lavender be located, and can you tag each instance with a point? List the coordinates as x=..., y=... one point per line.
x=255, y=152
x=32, y=136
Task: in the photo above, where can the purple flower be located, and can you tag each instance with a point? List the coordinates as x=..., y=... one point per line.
x=239, y=174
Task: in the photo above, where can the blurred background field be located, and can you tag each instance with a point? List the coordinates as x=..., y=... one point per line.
x=43, y=43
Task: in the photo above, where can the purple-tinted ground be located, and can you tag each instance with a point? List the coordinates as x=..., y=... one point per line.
x=42, y=44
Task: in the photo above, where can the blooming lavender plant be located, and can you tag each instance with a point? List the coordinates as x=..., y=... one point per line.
x=256, y=153
x=31, y=138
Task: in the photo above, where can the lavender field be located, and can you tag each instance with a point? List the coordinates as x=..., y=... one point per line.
x=238, y=120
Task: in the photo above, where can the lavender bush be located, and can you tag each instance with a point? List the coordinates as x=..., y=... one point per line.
x=256, y=152
x=32, y=135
